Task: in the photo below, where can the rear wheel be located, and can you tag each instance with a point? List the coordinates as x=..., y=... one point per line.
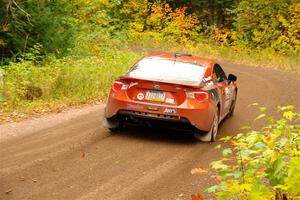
x=211, y=135
x=113, y=125
x=118, y=128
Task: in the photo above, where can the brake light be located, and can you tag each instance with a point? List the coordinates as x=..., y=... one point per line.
x=199, y=96
x=117, y=86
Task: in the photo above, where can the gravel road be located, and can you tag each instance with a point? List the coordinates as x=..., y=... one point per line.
x=69, y=155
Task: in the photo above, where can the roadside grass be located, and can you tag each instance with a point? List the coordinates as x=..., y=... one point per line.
x=31, y=86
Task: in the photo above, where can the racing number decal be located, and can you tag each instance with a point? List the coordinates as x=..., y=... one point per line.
x=228, y=95
x=227, y=92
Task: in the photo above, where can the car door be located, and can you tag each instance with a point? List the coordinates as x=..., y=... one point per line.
x=224, y=89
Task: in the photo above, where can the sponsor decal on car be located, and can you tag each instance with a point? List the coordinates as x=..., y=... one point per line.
x=227, y=92
x=153, y=108
x=227, y=97
x=133, y=84
x=134, y=106
x=140, y=96
x=170, y=110
x=170, y=100
x=156, y=86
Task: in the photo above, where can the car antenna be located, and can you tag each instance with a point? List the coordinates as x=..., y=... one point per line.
x=181, y=54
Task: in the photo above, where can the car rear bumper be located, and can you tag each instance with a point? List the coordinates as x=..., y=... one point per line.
x=199, y=115
x=154, y=116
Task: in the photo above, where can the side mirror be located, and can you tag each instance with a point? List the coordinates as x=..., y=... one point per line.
x=232, y=78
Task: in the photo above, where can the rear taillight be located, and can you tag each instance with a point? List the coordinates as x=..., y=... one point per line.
x=117, y=86
x=199, y=96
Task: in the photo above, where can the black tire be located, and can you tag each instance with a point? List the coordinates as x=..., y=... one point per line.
x=113, y=130
x=119, y=128
x=113, y=125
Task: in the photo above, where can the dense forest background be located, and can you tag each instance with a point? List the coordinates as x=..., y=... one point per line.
x=57, y=26
x=69, y=51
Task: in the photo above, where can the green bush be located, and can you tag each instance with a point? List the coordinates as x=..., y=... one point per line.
x=262, y=164
x=263, y=24
x=23, y=24
x=69, y=79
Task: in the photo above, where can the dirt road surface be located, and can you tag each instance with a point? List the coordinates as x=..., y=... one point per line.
x=69, y=156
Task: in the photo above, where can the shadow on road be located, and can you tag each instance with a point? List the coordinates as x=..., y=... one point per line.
x=167, y=135
x=164, y=135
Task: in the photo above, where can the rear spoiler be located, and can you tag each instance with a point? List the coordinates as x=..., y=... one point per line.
x=127, y=78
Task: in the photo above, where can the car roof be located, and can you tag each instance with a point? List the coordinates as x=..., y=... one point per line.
x=205, y=62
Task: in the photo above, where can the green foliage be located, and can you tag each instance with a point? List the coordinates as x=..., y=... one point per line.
x=268, y=24
x=262, y=164
x=58, y=26
x=212, y=13
x=70, y=78
x=23, y=24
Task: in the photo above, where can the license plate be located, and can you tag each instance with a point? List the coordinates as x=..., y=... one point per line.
x=155, y=96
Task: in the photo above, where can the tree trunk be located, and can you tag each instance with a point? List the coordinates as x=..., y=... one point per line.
x=211, y=15
x=220, y=17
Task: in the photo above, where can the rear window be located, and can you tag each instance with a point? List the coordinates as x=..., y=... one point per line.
x=165, y=70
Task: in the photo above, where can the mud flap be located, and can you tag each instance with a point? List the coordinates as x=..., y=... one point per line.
x=203, y=137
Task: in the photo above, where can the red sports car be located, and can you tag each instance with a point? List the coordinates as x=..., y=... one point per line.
x=177, y=90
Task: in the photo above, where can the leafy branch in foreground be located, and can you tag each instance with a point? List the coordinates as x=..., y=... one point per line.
x=262, y=164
